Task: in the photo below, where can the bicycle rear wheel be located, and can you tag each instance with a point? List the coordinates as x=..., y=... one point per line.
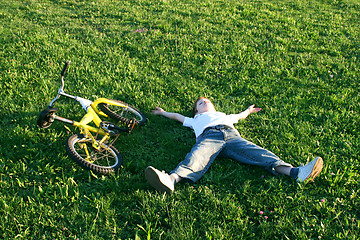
x=103, y=161
x=123, y=114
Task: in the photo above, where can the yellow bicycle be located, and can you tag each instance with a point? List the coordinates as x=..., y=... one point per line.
x=93, y=147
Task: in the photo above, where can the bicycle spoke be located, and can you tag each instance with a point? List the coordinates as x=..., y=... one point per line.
x=120, y=111
x=104, y=157
x=124, y=112
x=87, y=152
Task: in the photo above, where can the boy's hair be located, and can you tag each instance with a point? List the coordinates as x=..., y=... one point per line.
x=194, y=110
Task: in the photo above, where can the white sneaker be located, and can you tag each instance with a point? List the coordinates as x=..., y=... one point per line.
x=161, y=181
x=310, y=171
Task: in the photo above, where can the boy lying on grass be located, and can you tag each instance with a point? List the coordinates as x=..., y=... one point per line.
x=216, y=136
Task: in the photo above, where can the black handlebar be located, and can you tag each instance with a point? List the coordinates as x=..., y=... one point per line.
x=65, y=68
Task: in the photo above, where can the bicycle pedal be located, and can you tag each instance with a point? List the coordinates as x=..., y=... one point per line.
x=131, y=124
x=109, y=128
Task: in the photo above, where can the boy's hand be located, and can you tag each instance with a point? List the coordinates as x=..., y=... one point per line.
x=253, y=109
x=157, y=111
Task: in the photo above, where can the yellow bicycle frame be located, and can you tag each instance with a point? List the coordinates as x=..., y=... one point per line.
x=92, y=116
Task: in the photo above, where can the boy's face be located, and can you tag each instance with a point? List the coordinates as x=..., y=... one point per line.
x=204, y=105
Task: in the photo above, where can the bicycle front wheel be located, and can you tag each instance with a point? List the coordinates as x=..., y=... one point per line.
x=101, y=161
x=123, y=114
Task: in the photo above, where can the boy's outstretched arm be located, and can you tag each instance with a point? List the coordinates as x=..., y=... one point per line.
x=174, y=116
x=247, y=112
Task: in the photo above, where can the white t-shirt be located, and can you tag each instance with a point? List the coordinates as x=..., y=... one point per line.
x=209, y=119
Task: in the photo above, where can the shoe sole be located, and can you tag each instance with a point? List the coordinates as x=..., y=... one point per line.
x=316, y=170
x=154, y=180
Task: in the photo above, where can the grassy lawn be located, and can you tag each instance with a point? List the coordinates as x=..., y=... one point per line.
x=297, y=60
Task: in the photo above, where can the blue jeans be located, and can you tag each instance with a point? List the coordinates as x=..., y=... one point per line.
x=227, y=143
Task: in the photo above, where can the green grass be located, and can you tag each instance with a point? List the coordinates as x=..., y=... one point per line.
x=298, y=60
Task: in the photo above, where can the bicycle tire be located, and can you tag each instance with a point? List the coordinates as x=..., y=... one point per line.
x=104, y=162
x=123, y=115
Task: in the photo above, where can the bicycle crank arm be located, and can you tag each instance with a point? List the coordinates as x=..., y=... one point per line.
x=113, y=129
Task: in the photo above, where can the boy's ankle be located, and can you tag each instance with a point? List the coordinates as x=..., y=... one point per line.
x=176, y=178
x=294, y=172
